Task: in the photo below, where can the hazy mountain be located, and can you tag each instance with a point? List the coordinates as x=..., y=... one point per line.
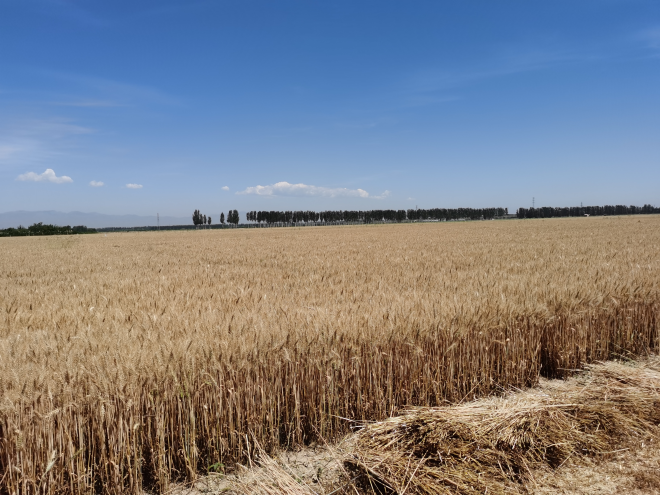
x=27, y=218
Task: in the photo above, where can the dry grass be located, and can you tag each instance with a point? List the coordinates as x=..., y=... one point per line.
x=137, y=359
x=274, y=478
x=496, y=445
x=317, y=468
x=633, y=472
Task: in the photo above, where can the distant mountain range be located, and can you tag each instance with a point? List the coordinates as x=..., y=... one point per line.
x=95, y=220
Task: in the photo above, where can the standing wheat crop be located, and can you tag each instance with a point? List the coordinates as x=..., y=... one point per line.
x=133, y=360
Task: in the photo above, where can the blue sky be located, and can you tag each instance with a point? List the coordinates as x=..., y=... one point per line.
x=359, y=104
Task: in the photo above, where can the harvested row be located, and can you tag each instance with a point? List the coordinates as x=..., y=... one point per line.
x=495, y=445
x=562, y=434
x=137, y=359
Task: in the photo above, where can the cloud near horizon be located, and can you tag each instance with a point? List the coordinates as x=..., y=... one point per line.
x=134, y=186
x=47, y=176
x=96, y=183
x=287, y=189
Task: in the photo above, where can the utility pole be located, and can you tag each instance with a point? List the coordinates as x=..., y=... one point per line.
x=533, y=199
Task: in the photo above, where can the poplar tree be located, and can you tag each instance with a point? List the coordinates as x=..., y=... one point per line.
x=196, y=218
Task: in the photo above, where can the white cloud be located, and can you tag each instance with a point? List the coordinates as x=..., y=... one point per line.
x=286, y=189
x=134, y=186
x=47, y=176
x=96, y=183
x=225, y=188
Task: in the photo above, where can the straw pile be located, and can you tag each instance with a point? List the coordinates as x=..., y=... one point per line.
x=494, y=445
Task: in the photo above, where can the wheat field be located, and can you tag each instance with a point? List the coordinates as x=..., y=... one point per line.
x=133, y=360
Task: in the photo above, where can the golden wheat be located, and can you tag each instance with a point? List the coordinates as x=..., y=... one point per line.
x=140, y=358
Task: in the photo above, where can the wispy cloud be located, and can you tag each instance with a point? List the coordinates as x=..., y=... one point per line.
x=650, y=38
x=31, y=142
x=7, y=151
x=431, y=85
x=225, y=188
x=287, y=189
x=503, y=65
x=47, y=176
x=88, y=103
x=370, y=124
x=422, y=100
x=109, y=92
x=50, y=129
x=70, y=11
x=96, y=183
x=169, y=9
x=134, y=186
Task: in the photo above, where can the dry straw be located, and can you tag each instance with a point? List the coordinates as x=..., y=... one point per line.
x=271, y=478
x=133, y=360
x=494, y=445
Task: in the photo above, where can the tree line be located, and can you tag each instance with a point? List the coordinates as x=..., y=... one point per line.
x=374, y=216
x=416, y=215
x=580, y=211
x=200, y=219
x=45, y=229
